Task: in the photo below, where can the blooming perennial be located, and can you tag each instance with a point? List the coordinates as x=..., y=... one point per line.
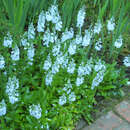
x=35, y=111
x=68, y=87
x=56, y=49
x=31, y=32
x=100, y=68
x=41, y=22
x=71, y=67
x=62, y=54
x=79, y=81
x=24, y=41
x=55, y=68
x=15, y=54
x=98, y=45
x=12, y=89
x=81, y=17
x=49, y=78
x=52, y=14
x=72, y=97
x=111, y=24
x=78, y=39
x=47, y=63
x=2, y=62
x=8, y=40
x=30, y=54
x=118, y=43
x=86, y=38
x=72, y=48
x=127, y=61
x=97, y=27
x=46, y=37
x=67, y=35
x=64, y=60
x=2, y=108
x=62, y=99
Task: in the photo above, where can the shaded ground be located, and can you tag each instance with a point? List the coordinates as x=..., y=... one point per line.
x=116, y=119
x=104, y=106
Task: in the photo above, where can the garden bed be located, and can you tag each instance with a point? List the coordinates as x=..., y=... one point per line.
x=55, y=68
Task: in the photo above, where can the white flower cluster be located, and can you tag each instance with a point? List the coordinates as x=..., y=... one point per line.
x=68, y=87
x=78, y=39
x=79, y=81
x=35, y=111
x=127, y=61
x=100, y=69
x=67, y=35
x=31, y=32
x=62, y=99
x=30, y=54
x=98, y=79
x=55, y=68
x=53, y=15
x=41, y=22
x=2, y=108
x=86, y=38
x=98, y=45
x=63, y=60
x=81, y=17
x=2, y=62
x=52, y=69
x=83, y=70
x=8, y=41
x=97, y=27
x=71, y=95
x=99, y=66
x=72, y=48
x=24, y=41
x=47, y=63
x=15, y=54
x=49, y=78
x=11, y=89
x=118, y=43
x=71, y=67
x=49, y=37
x=56, y=49
x=111, y=24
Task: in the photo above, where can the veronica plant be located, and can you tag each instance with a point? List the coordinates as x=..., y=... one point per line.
x=54, y=74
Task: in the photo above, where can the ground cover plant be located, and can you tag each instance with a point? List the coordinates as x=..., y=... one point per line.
x=56, y=59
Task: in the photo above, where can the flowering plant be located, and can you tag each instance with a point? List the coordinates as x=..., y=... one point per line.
x=53, y=75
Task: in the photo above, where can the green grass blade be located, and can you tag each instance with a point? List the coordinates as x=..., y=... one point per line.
x=103, y=10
